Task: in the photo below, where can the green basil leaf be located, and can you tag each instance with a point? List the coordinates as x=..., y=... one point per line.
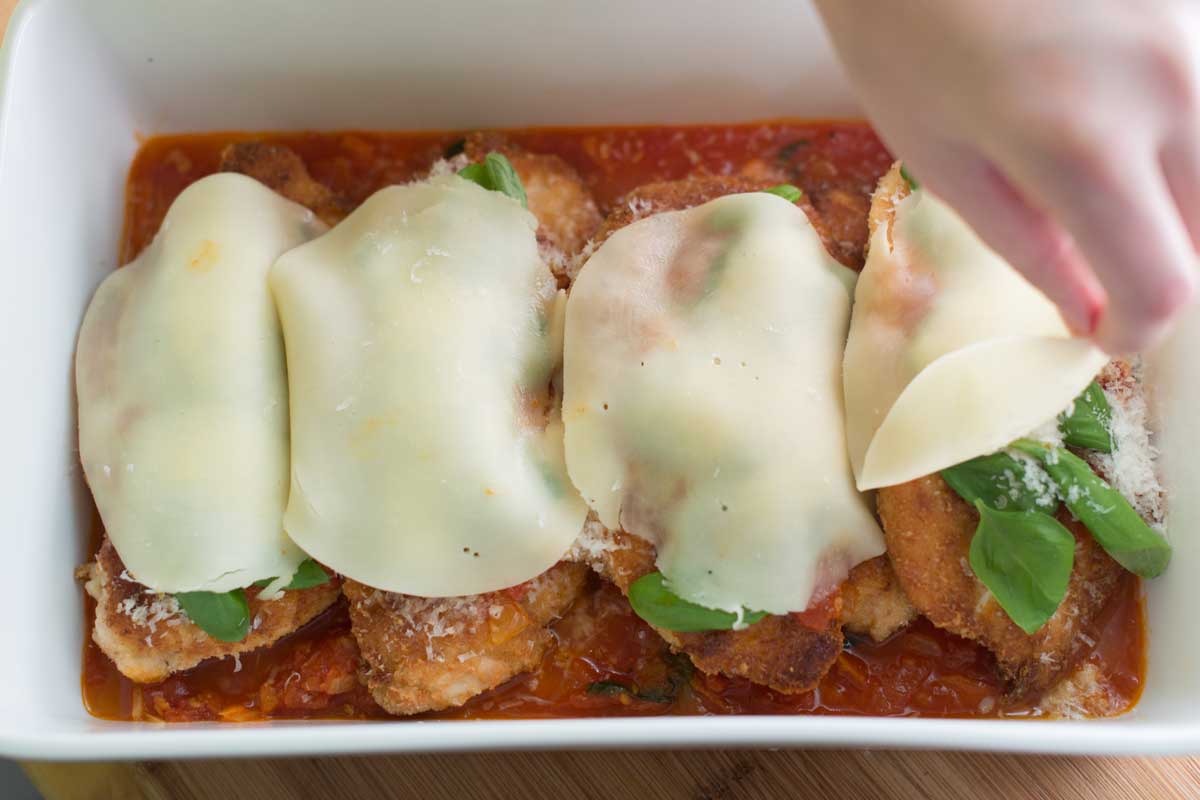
x=658, y=605
x=1109, y=517
x=496, y=174
x=786, y=191
x=998, y=480
x=224, y=616
x=664, y=694
x=1088, y=424
x=477, y=173
x=1024, y=558
x=308, y=575
x=679, y=674
x=505, y=178
x=912, y=182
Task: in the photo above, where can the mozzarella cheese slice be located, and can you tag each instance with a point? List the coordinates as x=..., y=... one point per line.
x=702, y=402
x=952, y=354
x=182, y=388
x=426, y=444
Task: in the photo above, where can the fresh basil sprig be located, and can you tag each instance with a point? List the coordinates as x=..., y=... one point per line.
x=658, y=605
x=224, y=616
x=1088, y=424
x=1015, y=506
x=997, y=480
x=786, y=191
x=1024, y=558
x=913, y=185
x=1109, y=517
x=496, y=174
x=308, y=575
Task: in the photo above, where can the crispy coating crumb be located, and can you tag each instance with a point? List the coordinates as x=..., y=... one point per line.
x=149, y=637
x=891, y=190
x=425, y=654
x=282, y=170
x=780, y=651
x=873, y=601
x=928, y=528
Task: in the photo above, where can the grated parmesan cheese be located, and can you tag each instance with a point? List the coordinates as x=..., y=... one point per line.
x=593, y=542
x=1036, y=480
x=1131, y=468
x=433, y=617
x=1086, y=694
x=555, y=259
x=639, y=208
x=448, y=166
x=576, y=263
x=160, y=608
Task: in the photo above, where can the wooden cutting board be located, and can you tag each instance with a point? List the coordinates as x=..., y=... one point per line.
x=697, y=775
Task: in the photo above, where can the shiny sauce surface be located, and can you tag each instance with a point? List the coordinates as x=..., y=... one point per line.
x=606, y=661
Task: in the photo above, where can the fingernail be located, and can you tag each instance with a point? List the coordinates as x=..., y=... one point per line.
x=1084, y=311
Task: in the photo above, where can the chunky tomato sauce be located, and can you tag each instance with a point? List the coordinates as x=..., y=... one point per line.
x=606, y=661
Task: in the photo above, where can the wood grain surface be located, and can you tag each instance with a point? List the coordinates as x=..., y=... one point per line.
x=693, y=775
x=698, y=775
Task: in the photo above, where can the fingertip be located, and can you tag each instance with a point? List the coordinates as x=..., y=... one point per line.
x=1092, y=305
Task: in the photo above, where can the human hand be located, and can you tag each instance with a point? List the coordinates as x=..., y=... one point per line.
x=1066, y=132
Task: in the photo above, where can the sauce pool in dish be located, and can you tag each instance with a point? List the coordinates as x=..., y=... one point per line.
x=606, y=660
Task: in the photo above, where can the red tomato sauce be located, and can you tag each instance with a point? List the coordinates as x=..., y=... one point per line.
x=606, y=661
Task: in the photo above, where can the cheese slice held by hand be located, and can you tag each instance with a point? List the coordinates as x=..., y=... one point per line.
x=952, y=354
x=426, y=444
x=183, y=406
x=702, y=402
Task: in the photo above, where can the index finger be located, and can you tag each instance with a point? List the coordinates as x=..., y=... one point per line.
x=1127, y=226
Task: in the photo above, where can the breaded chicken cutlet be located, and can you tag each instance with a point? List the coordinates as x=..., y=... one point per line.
x=480, y=641
x=874, y=604
x=780, y=651
x=149, y=637
x=425, y=654
x=282, y=170
x=928, y=529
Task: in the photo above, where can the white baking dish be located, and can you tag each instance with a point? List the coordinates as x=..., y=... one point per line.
x=83, y=80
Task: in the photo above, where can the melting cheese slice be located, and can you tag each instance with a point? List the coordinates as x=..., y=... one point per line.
x=421, y=343
x=702, y=402
x=183, y=404
x=952, y=354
